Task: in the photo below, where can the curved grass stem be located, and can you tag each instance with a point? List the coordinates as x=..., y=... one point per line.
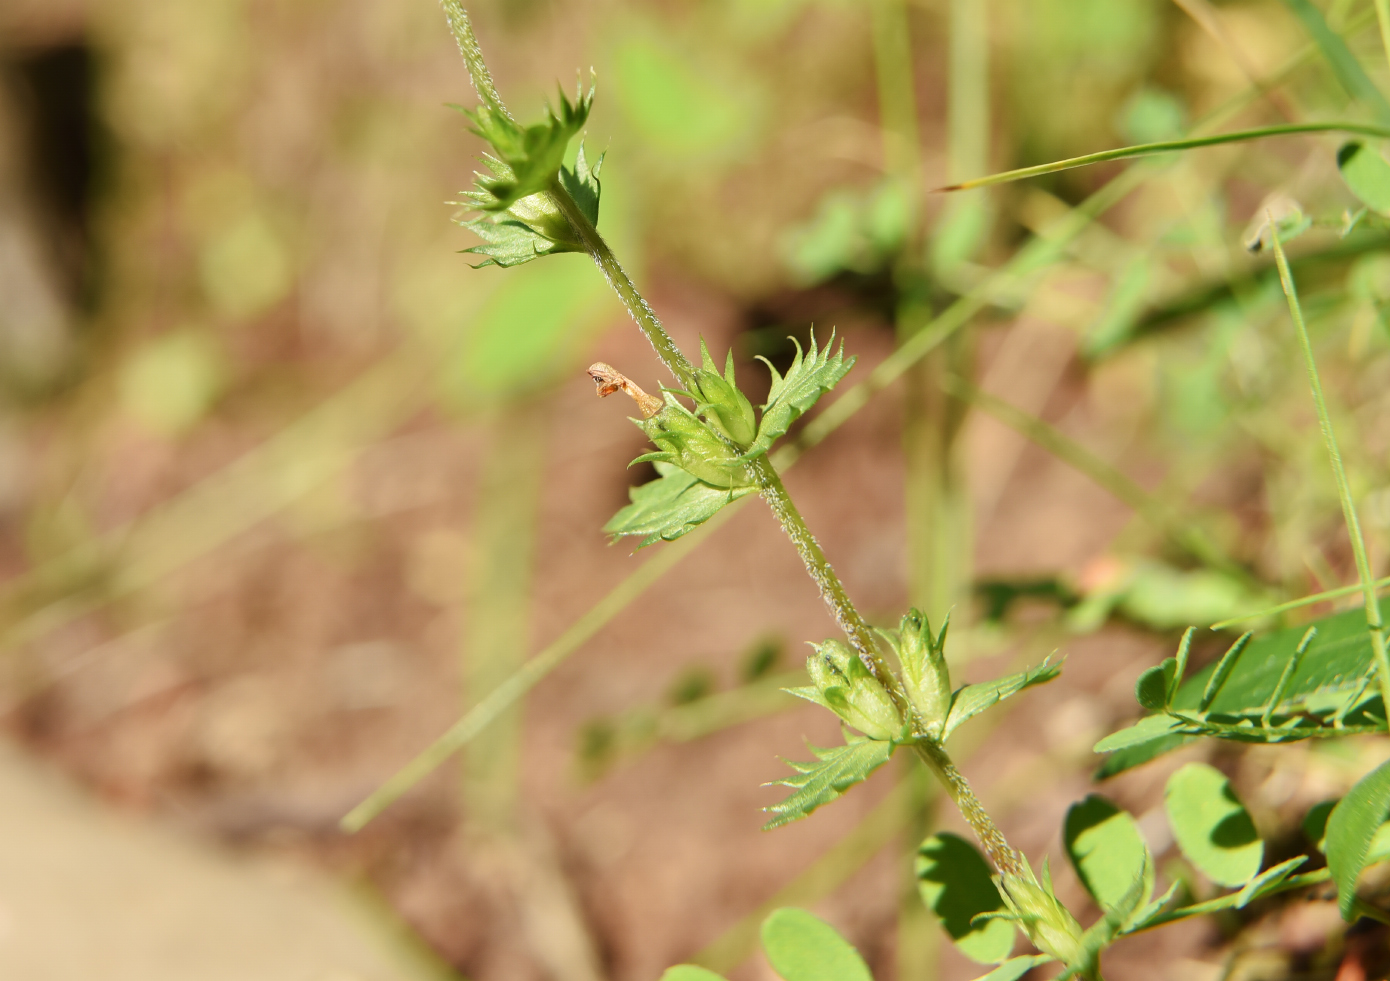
x=1168, y=146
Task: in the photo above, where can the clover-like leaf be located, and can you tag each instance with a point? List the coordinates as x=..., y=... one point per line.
x=812, y=374
x=1212, y=826
x=671, y=506
x=803, y=947
x=826, y=778
x=1015, y=968
x=1109, y=855
x=971, y=700
x=956, y=885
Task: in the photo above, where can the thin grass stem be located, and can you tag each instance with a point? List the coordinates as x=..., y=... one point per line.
x=1374, y=622
x=1331, y=594
x=1167, y=146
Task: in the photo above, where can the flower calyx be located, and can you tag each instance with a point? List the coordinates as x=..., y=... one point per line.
x=841, y=683
x=684, y=440
x=1034, y=906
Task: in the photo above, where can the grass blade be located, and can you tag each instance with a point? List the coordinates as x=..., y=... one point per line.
x=1331, y=594
x=1167, y=146
x=1374, y=623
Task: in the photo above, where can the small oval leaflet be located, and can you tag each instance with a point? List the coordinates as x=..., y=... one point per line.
x=802, y=947
x=1212, y=826
x=955, y=884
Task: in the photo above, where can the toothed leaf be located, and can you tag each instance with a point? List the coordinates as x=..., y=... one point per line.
x=671, y=506
x=812, y=373
x=827, y=777
x=971, y=700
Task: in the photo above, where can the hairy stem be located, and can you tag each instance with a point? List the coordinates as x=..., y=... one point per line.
x=819, y=569
x=1375, y=625
x=1005, y=859
x=622, y=284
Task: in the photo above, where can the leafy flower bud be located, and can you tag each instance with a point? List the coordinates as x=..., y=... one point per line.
x=682, y=439
x=853, y=693
x=1041, y=915
x=924, y=671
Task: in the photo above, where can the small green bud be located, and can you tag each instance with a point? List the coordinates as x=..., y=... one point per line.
x=924, y=671
x=685, y=441
x=852, y=693
x=721, y=403
x=1041, y=915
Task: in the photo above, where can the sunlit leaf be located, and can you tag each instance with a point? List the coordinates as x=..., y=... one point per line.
x=956, y=885
x=971, y=700
x=813, y=373
x=802, y=947
x=1146, y=730
x=670, y=506
x=1015, y=968
x=1153, y=686
x=1109, y=855
x=826, y=778
x=1351, y=827
x=1367, y=174
x=1212, y=826
x=690, y=972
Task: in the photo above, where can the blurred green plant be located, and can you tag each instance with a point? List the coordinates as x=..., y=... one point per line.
x=1271, y=689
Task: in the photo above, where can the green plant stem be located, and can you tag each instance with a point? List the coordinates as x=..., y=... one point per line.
x=1167, y=146
x=823, y=575
x=622, y=284
x=1331, y=594
x=1374, y=623
x=462, y=30
x=1005, y=859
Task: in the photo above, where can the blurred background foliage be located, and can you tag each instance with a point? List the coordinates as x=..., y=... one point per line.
x=285, y=486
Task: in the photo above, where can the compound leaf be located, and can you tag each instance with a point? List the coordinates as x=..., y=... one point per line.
x=1109, y=855
x=1212, y=826
x=671, y=506
x=956, y=885
x=802, y=947
x=1351, y=827
x=970, y=700
x=812, y=374
x=826, y=778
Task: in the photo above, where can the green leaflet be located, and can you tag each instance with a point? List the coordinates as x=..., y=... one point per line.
x=532, y=226
x=1015, y=968
x=1109, y=855
x=1212, y=826
x=802, y=947
x=812, y=374
x=956, y=885
x=1367, y=175
x=971, y=700
x=670, y=506
x=690, y=972
x=1351, y=828
x=821, y=781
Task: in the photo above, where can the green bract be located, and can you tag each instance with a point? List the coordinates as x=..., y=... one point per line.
x=531, y=156
x=531, y=226
x=811, y=374
x=821, y=781
x=924, y=671
x=684, y=441
x=720, y=402
x=1040, y=914
x=844, y=685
